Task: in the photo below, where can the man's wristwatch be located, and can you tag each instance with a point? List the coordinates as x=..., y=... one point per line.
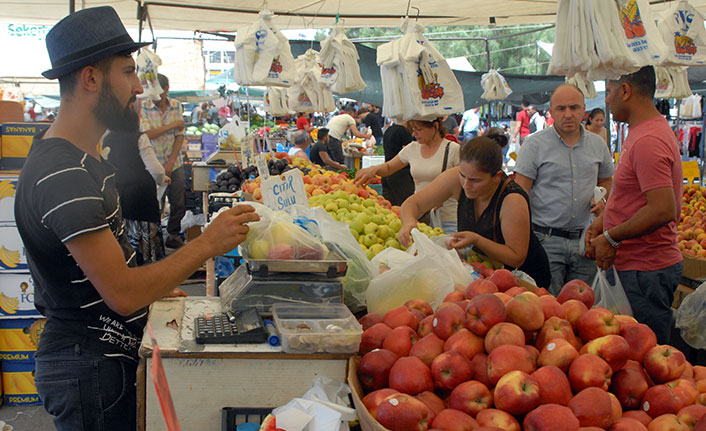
x=613, y=243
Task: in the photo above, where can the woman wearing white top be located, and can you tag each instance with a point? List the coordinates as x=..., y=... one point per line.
x=425, y=158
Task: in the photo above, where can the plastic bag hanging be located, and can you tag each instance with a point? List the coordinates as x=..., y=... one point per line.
x=263, y=55
x=584, y=84
x=494, y=85
x=276, y=101
x=147, y=63
x=340, y=70
x=309, y=94
x=672, y=82
x=682, y=30
x=691, y=318
x=641, y=32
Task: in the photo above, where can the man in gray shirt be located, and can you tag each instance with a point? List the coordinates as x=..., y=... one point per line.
x=559, y=167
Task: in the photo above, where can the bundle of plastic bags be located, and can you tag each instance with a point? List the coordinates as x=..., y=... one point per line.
x=417, y=82
x=690, y=107
x=584, y=84
x=276, y=101
x=263, y=55
x=682, y=30
x=147, y=63
x=494, y=86
x=672, y=82
x=339, y=63
x=309, y=93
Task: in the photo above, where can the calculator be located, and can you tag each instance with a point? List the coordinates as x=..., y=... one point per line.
x=245, y=327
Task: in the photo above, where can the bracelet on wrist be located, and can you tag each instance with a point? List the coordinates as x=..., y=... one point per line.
x=613, y=243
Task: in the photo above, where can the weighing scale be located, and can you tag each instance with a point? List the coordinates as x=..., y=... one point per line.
x=261, y=283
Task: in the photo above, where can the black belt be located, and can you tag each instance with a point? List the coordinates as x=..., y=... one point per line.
x=550, y=231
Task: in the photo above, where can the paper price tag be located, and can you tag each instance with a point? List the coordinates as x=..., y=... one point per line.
x=247, y=152
x=261, y=165
x=284, y=191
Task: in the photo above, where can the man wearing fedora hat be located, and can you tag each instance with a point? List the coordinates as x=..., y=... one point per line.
x=67, y=210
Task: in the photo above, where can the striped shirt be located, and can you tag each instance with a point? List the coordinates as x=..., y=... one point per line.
x=64, y=193
x=151, y=117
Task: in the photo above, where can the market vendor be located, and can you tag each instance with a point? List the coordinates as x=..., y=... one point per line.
x=493, y=210
x=430, y=155
x=67, y=209
x=337, y=127
x=319, y=153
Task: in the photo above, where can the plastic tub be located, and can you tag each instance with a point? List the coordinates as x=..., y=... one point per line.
x=317, y=328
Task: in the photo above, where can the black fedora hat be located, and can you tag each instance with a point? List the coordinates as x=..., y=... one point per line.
x=84, y=37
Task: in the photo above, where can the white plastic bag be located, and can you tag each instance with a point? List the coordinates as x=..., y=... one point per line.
x=446, y=259
x=276, y=101
x=309, y=93
x=682, y=30
x=495, y=86
x=391, y=258
x=610, y=296
x=691, y=318
x=672, y=82
x=641, y=32
x=339, y=63
x=147, y=64
x=584, y=84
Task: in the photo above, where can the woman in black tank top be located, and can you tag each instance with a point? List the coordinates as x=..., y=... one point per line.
x=493, y=211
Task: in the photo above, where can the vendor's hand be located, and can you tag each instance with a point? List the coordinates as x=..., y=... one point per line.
x=405, y=234
x=228, y=230
x=178, y=124
x=463, y=239
x=176, y=293
x=597, y=208
x=364, y=176
x=605, y=254
x=592, y=231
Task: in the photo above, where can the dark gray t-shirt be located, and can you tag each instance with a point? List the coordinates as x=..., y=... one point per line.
x=63, y=193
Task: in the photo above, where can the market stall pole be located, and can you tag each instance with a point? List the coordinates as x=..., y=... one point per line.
x=205, y=379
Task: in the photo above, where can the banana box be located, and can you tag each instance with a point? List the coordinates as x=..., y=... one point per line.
x=19, y=338
x=8, y=185
x=18, y=383
x=17, y=296
x=15, y=141
x=12, y=251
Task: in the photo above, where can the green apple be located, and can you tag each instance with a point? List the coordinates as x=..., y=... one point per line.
x=370, y=239
x=393, y=243
x=385, y=211
x=377, y=219
x=371, y=210
x=342, y=211
x=340, y=194
x=259, y=249
x=357, y=225
x=364, y=218
x=348, y=217
x=354, y=199
x=343, y=203
x=356, y=207
x=369, y=254
x=438, y=231
x=361, y=239
x=376, y=248
x=371, y=228
x=395, y=225
x=384, y=231
x=331, y=206
x=355, y=234
x=369, y=203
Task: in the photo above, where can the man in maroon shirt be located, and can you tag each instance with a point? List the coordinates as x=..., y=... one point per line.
x=522, y=128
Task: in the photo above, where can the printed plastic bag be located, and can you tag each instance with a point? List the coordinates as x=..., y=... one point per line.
x=276, y=236
x=446, y=259
x=147, y=64
x=610, y=295
x=682, y=30
x=276, y=101
x=691, y=318
x=494, y=86
x=339, y=63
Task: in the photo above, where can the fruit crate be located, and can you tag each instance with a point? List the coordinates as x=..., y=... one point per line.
x=231, y=417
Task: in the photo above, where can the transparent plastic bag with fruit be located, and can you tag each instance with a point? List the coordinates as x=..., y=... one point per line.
x=445, y=258
x=691, y=318
x=278, y=237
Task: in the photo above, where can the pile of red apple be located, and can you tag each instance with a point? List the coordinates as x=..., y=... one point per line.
x=500, y=357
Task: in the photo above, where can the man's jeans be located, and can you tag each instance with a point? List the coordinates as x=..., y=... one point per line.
x=176, y=193
x=651, y=294
x=87, y=391
x=565, y=261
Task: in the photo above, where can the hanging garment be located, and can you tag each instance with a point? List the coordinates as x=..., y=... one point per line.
x=339, y=63
x=682, y=30
x=309, y=93
x=583, y=84
x=147, y=63
x=416, y=79
x=263, y=55
x=494, y=86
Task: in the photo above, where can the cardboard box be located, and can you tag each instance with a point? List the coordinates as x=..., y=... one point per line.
x=13, y=258
x=367, y=422
x=18, y=383
x=8, y=187
x=680, y=294
x=17, y=296
x=694, y=268
x=19, y=338
x=15, y=141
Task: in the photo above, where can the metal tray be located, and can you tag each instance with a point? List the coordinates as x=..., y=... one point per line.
x=333, y=266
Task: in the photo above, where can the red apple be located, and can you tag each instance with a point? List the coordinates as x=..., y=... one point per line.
x=410, y=376
x=497, y=418
x=589, y=370
x=403, y=412
x=428, y=348
x=448, y=319
x=464, y=342
x=691, y=415
x=421, y=305
x=504, y=333
x=514, y=291
x=431, y=400
x=470, y=397
x=574, y=309
x=400, y=316
x=551, y=307
x=479, y=363
x=418, y=314
x=463, y=304
x=374, y=369
x=504, y=297
x=699, y=372
x=554, y=387
x=540, y=291
x=639, y=416
x=534, y=353
x=592, y=407
x=373, y=400
x=627, y=424
x=517, y=393
x=525, y=310
x=503, y=279
x=506, y=358
x=597, y=322
x=559, y=353
x=373, y=337
x=579, y=290
x=664, y=363
x=629, y=386
x=450, y=369
x=400, y=340
x=550, y=417
x=667, y=422
x=480, y=287
x=553, y=328
x=660, y=400
x=640, y=338
x=454, y=296
x=425, y=327
x=454, y=420
x=369, y=320
x=483, y=312
x=700, y=426
x=612, y=348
